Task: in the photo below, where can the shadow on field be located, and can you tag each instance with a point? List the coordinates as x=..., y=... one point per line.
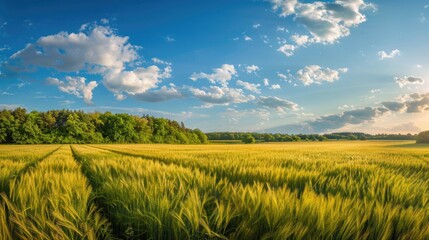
x=410, y=145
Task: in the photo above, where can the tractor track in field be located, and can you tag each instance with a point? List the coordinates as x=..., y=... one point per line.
x=99, y=201
x=32, y=165
x=232, y=178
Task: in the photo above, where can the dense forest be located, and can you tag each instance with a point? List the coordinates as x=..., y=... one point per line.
x=277, y=137
x=64, y=126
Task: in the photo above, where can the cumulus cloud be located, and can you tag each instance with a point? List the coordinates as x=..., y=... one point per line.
x=247, y=38
x=256, y=25
x=356, y=116
x=412, y=103
x=383, y=55
x=249, y=86
x=316, y=74
x=406, y=80
x=252, y=69
x=75, y=86
x=275, y=86
x=276, y=103
x=394, y=106
x=160, y=95
x=417, y=103
x=220, y=75
x=266, y=82
x=159, y=61
x=136, y=81
x=221, y=95
x=300, y=39
x=94, y=50
x=286, y=7
x=287, y=49
x=326, y=22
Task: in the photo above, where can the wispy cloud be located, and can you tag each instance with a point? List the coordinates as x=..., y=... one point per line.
x=383, y=55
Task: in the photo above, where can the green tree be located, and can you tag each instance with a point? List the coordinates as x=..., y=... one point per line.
x=248, y=138
x=423, y=137
x=201, y=136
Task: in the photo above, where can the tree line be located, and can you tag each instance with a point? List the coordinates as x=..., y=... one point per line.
x=65, y=126
x=277, y=137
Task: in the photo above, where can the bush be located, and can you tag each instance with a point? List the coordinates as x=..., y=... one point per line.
x=423, y=137
x=248, y=138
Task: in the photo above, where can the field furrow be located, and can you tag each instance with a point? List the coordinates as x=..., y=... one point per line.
x=52, y=201
x=15, y=160
x=363, y=176
x=352, y=196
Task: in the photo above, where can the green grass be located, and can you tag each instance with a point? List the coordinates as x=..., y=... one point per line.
x=314, y=190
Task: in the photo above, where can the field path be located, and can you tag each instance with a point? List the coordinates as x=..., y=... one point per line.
x=51, y=199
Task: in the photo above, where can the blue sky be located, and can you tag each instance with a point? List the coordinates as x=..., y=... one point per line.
x=277, y=66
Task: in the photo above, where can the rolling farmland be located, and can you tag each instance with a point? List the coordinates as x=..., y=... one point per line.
x=319, y=190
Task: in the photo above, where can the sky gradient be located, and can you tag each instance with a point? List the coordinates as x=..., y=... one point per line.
x=270, y=66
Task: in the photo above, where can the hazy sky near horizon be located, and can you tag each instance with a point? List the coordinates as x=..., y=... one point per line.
x=289, y=66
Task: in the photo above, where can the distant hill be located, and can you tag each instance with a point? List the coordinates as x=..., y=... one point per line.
x=65, y=126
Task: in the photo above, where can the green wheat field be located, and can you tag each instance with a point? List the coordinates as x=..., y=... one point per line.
x=303, y=190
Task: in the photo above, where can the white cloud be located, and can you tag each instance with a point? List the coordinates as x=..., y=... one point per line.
x=136, y=81
x=10, y=106
x=104, y=21
x=383, y=55
x=256, y=25
x=275, y=86
x=281, y=29
x=266, y=82
x=287, y=49
x=345, y=107
x=221, y=95
x=220, y=75
x=286, y=7
x=75, y=86
x=252, y=68
x=247, y=38
x=249, y=86
x=300, y=39
x=169, y=39
x=375, y=90
x=411, y=103
x=282, y=76
x=326, y=22
x=406, y=80
x=163, y=94
x=94, y=50
x=419, y=66
x=281, y=105
x=159, y=61
x=316, y=74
